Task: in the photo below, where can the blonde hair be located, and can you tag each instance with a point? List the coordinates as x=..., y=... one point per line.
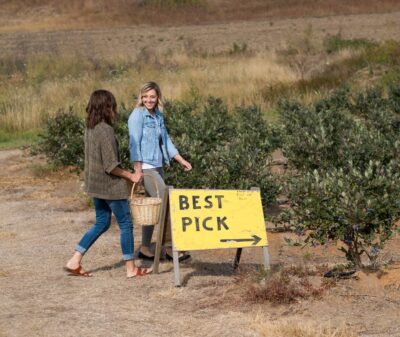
x=150, y=86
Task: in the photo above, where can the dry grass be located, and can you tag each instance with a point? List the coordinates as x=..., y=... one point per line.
x=299, y=328
x=45, y=84
x=23, y=15
x=237, y=9
x=37, y=86
x=318, y=74
x=27, y=98
x=38, y=299
x=202, y=61
x=288, y=285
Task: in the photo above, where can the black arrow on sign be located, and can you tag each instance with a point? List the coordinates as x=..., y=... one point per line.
x=256, y=239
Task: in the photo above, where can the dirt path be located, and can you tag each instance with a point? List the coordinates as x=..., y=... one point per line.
x=258, y=35
x=43, y=218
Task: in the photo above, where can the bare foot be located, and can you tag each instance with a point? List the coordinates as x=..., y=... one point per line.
x=138, y=271
x=72, y=264
x=74, y=267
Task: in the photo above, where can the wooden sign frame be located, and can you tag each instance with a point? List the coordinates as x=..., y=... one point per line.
x=163, y=223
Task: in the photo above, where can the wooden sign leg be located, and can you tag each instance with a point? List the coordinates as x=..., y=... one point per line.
x=175, y=253
x=237, y=258
x=160, y=234
x=266, y=257
x=177, y=276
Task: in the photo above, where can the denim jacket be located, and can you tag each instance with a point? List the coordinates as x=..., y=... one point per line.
x=143, y=139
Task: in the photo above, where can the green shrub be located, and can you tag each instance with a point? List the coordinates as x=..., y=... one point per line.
x=239, y=49
x=394, y=99
x=386, y=53
x=10, y=66
x=345, y=154
x=122, y=135
x=336, y=42
x=315, y=137
x=359, y=207
x=228, y=150
x=62, y=139
x=341, y=128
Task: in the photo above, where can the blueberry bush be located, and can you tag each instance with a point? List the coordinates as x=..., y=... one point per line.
x=228, y=149
x=62, y=139
x=345, y=183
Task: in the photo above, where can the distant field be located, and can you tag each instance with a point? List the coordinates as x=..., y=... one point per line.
x=36, y=15
x=54, y=53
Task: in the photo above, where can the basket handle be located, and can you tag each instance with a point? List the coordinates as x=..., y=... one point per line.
x=148, y=175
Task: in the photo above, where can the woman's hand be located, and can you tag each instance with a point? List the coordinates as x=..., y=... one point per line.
x=133, y=177
x=136, y=177
x=186, y=165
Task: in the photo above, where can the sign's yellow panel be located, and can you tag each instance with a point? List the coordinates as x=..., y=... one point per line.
x=211, y=219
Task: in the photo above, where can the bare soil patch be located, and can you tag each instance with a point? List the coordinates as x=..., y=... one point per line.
x=42, y=218
x=258, y=35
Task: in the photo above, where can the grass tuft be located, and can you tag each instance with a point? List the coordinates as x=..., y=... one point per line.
x=9, y=140
x=287, y=285
x=297, y=327
x=41, y=170
x=336, y=43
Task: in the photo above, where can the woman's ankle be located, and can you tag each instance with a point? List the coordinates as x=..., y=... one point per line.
x=146, y=251
x=75, y=261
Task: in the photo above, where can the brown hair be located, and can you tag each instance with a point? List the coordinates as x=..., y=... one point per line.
x=150, y=86
x=102, y=107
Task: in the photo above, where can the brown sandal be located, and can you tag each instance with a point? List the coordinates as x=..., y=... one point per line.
x=77, y=272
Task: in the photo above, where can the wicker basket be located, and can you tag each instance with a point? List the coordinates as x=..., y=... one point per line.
x=145, y=210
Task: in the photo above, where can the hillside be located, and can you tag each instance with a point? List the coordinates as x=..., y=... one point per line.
x=258, y=35
x=26, y=16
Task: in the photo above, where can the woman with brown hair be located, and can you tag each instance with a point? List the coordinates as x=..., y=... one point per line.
x=106, y=183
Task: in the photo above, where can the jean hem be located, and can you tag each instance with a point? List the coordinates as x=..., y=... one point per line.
x=127, y=257
x=80, y=249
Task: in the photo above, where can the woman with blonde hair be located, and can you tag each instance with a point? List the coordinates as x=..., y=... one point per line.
x=150, y=148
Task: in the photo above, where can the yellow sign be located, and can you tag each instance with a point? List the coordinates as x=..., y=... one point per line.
x=210, y=219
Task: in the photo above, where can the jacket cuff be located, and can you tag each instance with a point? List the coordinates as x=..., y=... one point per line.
x=112, y=166
x=172, y=154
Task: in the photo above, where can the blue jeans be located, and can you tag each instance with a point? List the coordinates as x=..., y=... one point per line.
x=122, y=213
